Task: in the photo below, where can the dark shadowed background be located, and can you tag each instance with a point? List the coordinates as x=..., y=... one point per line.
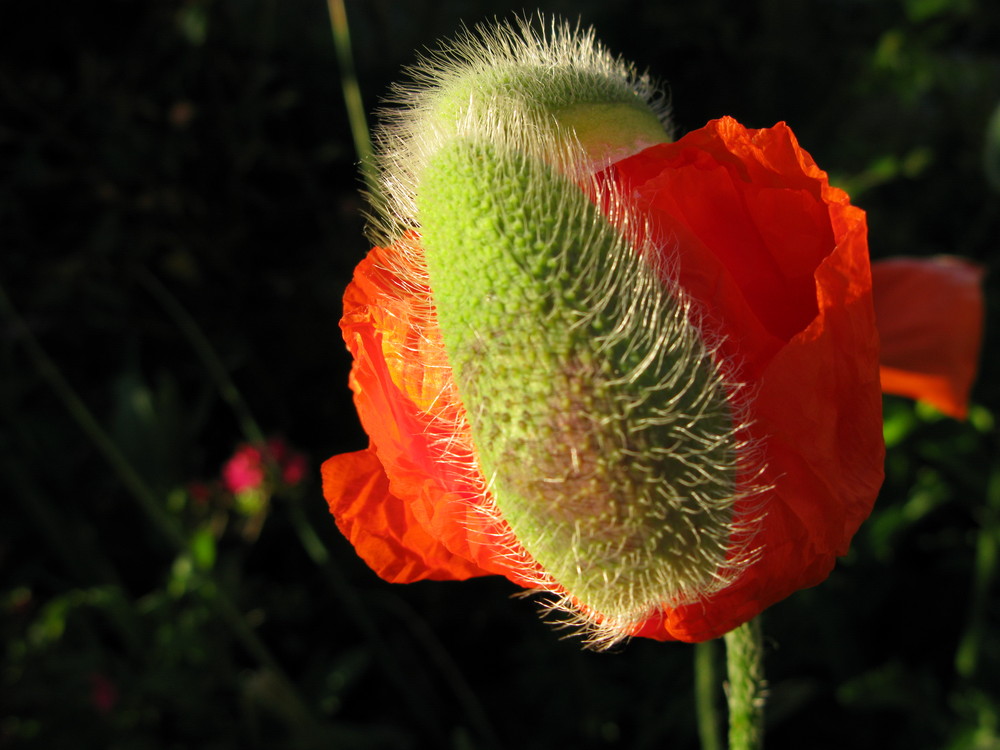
x=179, y=216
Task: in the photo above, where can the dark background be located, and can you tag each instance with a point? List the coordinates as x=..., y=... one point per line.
x=179, y=215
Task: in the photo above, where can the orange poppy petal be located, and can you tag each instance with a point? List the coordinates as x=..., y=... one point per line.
x=407, y=403
x=382, y=527
x=930, y=318
x=806, y=345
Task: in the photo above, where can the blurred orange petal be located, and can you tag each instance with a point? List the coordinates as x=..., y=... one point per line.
x=930, y=319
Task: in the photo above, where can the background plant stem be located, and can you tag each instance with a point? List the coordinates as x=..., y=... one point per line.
x=314, y=547
x=150, y=506
x=352, y=92
x=987, y=544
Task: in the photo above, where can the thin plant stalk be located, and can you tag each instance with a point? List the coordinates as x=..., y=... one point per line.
x=706, y=688
x=987, y=553
x=314, y=547
x=148, y=504
x=227, y=388
x=352, y=92
x=746, y=686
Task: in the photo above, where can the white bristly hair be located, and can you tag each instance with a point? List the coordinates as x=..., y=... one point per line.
x=465, y=87
x=633, y=285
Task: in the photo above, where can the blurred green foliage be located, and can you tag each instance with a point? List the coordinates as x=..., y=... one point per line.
x=202, y=148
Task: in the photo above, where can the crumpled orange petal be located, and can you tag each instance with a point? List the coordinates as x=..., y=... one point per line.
x=930, y=318
x=382, y=527
x=401, y=382
x=794, y=311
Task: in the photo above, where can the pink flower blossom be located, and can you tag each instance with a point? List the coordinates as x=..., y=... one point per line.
x=245, y=470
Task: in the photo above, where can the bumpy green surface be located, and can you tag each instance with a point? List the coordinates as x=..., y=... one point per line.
x=599, y=419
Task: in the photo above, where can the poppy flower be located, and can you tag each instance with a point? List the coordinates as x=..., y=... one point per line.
x=639, y=375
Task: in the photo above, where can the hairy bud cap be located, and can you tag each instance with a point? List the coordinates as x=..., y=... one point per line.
x=540, y=90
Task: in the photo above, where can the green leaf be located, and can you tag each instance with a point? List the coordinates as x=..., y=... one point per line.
x=203, y=548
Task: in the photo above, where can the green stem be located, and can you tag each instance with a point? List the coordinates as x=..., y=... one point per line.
x=310, y=541
x=352, y=91
x=706, y=685
x=78, y=410
x=227, y=388
x=431, y=646
x=987, y=554
x=146, y=500
x=358, y=613
x=746, y=689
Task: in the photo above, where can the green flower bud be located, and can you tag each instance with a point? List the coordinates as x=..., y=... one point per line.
x=549, y=89
x=603, y=425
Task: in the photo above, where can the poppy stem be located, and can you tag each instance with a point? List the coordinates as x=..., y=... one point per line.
x=746, y=687
x=706, y=686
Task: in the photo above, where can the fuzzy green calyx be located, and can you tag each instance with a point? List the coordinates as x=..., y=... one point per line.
x=603, y=109
x=609, y=132
x=600, y=419
x=557, y=86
